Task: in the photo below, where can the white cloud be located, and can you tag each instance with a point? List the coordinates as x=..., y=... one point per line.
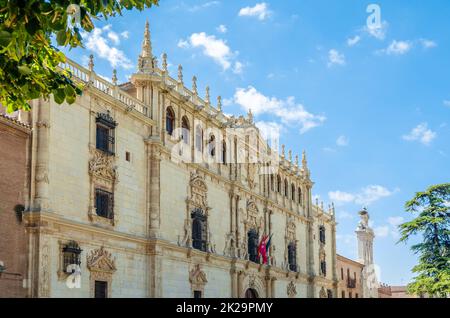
x=377, y=32
x=183, y=44
x=260, y=10
x=365, y=196
x=395, y=220
x=98, y=43
x=428, y=44
x=125, y=34
x=422, y=134
x=339, y=196
x=222, y=29
x=269, y=130
x=397, y=48
x=372, y=193
x=215, y=48
x=342, y=141
x=238, y=67
x=447, y=103
x=335, y=58
x=203, y=6
x=353, y=41
x=381, y=231
x=288, y=110
x=114, y=37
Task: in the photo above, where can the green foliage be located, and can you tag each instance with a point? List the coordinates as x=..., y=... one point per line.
x=29, y=62
x=432, y=208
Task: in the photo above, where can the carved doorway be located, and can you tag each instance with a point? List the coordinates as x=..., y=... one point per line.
x=251, y=293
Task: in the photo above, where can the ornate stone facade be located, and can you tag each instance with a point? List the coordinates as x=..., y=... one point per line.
x=146, y=247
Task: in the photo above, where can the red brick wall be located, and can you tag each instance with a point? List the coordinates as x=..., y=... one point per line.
x=13, y=243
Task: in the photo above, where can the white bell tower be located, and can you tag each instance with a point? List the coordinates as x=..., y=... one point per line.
x=365, y=236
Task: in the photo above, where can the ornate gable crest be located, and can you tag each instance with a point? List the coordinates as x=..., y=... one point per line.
x=102, y=166
x=290, y=229
x=291, y=289
x=197, y=276
x=199, y=191
x=100, y=260
x=253, y=218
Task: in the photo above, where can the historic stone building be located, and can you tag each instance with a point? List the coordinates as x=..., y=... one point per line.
x=350, y=278
x=145, y=189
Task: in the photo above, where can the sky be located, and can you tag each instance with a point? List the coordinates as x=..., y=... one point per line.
x=370, y=103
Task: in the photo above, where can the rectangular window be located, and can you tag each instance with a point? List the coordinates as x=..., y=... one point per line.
x=127, y=156
x=104, y=202
x=101, y=289
x=343, y=294
x=105, y=139
x=197, y=294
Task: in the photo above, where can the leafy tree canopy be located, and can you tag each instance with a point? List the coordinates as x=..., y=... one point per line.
x=28, y=60
x=432, y=208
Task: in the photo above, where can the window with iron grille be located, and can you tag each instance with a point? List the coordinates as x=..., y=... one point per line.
x=329, y=293
x=105, y=133
x=292, y=257
x=197, y=294
x=199, y=230
x=101, y=289
x=322, y=234
x=71, y=256
x=104, y=204
x=323, y=268
x=253, y=239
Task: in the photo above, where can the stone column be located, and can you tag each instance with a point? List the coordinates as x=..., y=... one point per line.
x=234, y=282
x=42, y=126
x=154, y=162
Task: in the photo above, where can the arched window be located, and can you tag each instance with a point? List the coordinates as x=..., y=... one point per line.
x=198, y=230
x=278, y=184
x=199, y=138
x=185, y=130
x=170, y=120
x=271, y=183
x=322, y=234
x=286, y=188
x=292, y=257
x=293, y=192
x=212, y=146
x=253, y=239
x=224, y=152
x=299, y=194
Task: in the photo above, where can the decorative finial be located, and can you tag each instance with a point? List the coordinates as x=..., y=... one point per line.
x=321, y=205
x=290, y=156
x=180, y=74
x=164, y=62
x=296, y=161
x=147, y=43
x=317, y=201
x=114, y=77
x=146, y=63
x=91, y=63
x=207, y=97
x=219, y=103
x=194, y=85
x=282, y=151
x=250, y=115
x=304, y=161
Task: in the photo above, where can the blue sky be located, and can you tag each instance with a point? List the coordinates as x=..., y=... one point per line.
x=370, y=107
